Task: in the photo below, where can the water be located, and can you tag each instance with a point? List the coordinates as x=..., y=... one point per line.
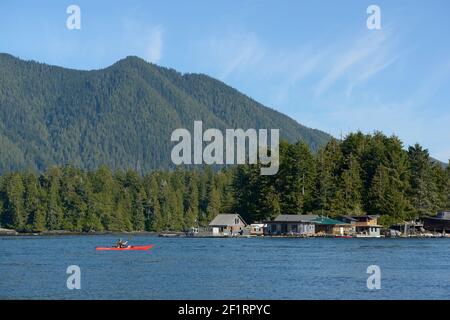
x=189, y=268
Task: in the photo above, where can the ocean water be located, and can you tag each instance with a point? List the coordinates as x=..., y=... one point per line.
x=204, y=268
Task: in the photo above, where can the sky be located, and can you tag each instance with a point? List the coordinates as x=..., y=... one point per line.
x=316, y=61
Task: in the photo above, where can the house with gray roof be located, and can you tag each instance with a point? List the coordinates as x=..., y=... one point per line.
x=291, y=224
x=227, y=224
x=439, y=223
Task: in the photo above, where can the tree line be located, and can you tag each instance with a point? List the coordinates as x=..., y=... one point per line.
x=362, y=174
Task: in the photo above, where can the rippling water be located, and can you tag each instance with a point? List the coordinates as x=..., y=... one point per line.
x=189, y=268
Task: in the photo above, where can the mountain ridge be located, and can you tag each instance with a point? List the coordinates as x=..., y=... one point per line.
x=121, y=116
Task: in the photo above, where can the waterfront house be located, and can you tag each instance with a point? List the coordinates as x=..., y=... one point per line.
x=439, y=223
x=291, y=224
x=349, y=220
x=328, y=226
x=367, y=226
x=257, y=229
x=407, y=228
x=227, y=224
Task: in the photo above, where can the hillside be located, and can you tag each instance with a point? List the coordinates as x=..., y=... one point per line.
x=121, y=116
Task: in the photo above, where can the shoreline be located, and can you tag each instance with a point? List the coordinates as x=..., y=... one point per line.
x=13, y=233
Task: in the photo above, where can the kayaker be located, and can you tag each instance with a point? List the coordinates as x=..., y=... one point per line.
x=121, y=244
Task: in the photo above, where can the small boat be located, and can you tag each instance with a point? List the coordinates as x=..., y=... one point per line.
x=344, y=236
x=129, y=248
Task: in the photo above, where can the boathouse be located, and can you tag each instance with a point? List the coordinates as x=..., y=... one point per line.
x=257, y=229
x=328, y=226
x=227, y=224
x=439, y=223
x=367, y=226
x=291, y=224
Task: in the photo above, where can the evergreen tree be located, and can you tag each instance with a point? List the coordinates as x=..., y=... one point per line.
x=328, y=169
x=350, y=188
x=191, y=202
x=362, y=173
x=54, y=217
x=423, y=189
x=33, y=204
x=15, y=213
x=213, y=207
x=296, y=178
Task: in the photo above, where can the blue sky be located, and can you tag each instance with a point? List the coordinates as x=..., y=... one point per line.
x=315, y=61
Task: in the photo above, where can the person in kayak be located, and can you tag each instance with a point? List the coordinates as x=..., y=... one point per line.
x=121, y=244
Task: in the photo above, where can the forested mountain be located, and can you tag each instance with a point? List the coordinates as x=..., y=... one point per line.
x=121, y=116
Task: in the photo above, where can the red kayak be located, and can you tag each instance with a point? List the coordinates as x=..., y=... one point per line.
x=125, y=249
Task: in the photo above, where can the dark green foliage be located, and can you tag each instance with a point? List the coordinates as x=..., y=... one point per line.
x=423, y=183
x=93, y=124
x=76, y=200
x=121, y=116
x=363, y=174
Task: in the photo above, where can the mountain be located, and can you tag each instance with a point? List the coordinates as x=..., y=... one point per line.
x=121, y=116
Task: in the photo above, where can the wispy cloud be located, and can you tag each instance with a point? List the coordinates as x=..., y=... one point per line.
x=243, y=55
x=366, y=57
x=321, y=66
x=155, y=44
x=432, y=83
x=235, y=53
x=146, y=41
x=370, y=70
x=295, y=68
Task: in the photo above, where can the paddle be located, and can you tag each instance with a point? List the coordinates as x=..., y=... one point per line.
x=129, y=240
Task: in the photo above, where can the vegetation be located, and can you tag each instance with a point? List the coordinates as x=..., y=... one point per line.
x=121, y=116
x=362, y=174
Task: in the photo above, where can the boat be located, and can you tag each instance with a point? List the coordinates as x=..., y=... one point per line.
x=129, y=248
x=344, y=236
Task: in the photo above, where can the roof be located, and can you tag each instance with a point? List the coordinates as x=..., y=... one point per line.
x=295, y=218
x=226, y=219
x=370, y=216
x=347, y=217
x=327, y=221
x=444, y=215
x=257, y=224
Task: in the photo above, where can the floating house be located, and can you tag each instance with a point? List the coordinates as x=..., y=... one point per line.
x=407, y=228
x=257, y=229
x=439, y=223
x=349, y=220
x=327, y=226
x=227, y=224
x=367, y=226
x=291, y=224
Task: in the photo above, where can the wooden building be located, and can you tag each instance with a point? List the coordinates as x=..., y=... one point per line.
x=227, y=224
x=367, y=226
x=439, y=223
x=257, y=229
x=327, y=226
x=291, y=224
